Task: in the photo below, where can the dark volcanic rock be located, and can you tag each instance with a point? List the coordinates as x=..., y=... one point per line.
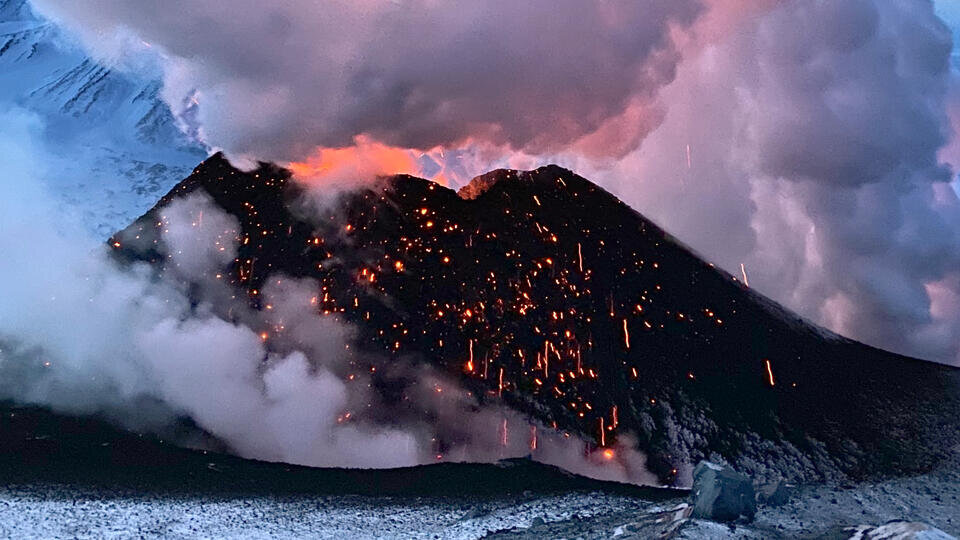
x=896, y=530
x=40, y=447
x=583, y=314
x=721, y=494
x=775, y=493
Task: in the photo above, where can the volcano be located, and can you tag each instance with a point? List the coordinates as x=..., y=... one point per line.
x=542, y=291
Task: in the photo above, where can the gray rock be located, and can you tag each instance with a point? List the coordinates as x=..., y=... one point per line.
x=475, y=512
x=898, y=530
x=775, y=493
x=721, y=494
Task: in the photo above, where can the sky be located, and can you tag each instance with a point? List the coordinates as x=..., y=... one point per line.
x=813, y=142
x=949, y=11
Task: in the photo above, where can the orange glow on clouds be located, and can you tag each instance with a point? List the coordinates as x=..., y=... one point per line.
x=364, y=161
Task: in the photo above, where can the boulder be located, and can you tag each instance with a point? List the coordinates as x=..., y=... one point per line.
x=898, y=530
x=775, y=493
x=721, y=494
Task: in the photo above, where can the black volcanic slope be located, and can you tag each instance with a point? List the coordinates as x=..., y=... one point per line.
x=41, y=447
x=586, y=316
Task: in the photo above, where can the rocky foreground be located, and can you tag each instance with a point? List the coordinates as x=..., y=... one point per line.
x=66, y=477
x=923, y=506
x=54, y=510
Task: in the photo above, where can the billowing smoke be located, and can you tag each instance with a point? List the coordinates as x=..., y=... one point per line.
x=277, y=80
x=83, y=333
x=807, y=140
x=802, y=140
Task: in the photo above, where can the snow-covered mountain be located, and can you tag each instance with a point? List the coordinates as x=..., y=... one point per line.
x=118, y=145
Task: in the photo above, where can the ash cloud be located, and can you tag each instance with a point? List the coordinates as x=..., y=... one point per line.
x=815, y=132
x=276, y=80
x=811, y=141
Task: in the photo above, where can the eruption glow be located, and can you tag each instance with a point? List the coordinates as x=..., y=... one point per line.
x=363, y=161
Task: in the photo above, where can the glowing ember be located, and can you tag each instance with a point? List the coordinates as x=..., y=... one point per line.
x=626, y=335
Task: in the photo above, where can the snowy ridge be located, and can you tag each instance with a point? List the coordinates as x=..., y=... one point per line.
x=118, y=145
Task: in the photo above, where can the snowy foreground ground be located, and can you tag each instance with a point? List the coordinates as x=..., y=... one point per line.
x=45, y=511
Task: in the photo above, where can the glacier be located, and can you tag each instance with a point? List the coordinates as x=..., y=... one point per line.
x=116, y=146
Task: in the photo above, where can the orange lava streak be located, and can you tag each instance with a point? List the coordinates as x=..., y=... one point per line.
x=769, y=372
x=470, y=361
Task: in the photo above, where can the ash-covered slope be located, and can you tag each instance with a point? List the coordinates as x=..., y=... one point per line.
x=43, y=447
x=543, y=290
